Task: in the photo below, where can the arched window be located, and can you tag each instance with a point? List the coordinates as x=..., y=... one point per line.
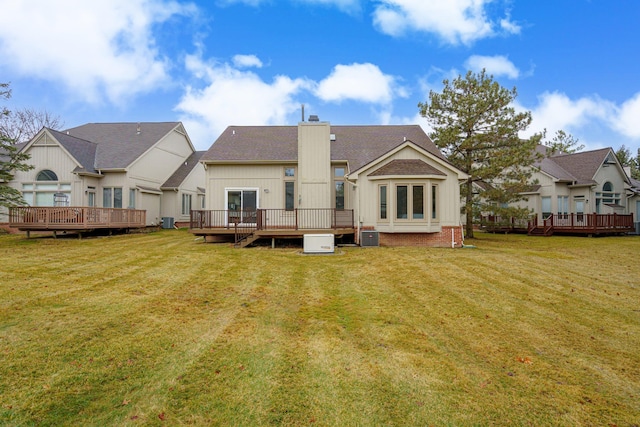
x=47, y=190
x=608, y=196
x=47, y=175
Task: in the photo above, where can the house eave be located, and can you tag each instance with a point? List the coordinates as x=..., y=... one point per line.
x=383, y=177
x=247, y=162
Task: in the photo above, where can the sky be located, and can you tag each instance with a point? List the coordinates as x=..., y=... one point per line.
x=214, y=63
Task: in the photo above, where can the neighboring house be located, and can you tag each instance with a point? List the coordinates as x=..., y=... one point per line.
x=184, y=190
x=633, y=199
x=144, y=166
x=579, y=183
x=394, y=178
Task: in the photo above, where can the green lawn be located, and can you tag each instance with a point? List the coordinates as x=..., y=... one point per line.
x=162, y=329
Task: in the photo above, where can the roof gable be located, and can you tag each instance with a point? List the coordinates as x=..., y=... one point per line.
x=578, y=168
x=407, y=167
x=583, y=165
x=183, y=171
x=120, y=144
x=84, y=152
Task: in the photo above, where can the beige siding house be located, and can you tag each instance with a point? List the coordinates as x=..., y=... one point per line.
x=114, y=165
x=584, y=182
x=393, y=178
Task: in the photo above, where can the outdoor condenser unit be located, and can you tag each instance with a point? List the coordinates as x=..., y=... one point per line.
x=369, y=238
x=318, y=244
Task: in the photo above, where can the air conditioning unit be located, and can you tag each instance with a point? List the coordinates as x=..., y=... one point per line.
x=318, y=243
x=369, y=238
x=167, y=222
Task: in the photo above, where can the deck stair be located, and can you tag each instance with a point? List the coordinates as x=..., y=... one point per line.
x=540, y=231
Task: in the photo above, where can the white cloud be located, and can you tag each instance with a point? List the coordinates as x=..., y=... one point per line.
x=454, y=21
x=247, y=61
x=359, y=82
x=234, y=97
x=627, y=118
x=97, y=48
x=496, y=65
x=349, y=6
x=556, y=111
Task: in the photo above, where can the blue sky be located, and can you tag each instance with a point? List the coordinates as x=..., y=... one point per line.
x=216, y=63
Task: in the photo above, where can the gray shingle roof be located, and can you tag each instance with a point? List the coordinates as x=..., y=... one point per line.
x=120, y=144
x=83, y=151
x=183, y=171
x=358, y=145
x=407, y=167
x=578, y=167
x=583, y=165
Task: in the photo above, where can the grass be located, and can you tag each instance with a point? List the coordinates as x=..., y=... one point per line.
x=161, y=329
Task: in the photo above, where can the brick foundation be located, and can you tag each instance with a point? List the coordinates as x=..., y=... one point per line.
x=433, y=240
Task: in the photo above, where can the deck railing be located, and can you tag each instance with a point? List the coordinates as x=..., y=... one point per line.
x=273, y=219
x=500, y=223
x=584, y=223
x=74, y=218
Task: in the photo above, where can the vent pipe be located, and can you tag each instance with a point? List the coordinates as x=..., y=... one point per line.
x=303, y=112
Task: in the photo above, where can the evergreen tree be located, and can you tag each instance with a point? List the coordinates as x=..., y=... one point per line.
x=11, y=160
x=478, y=129
x=626, y=159
x=563, y=142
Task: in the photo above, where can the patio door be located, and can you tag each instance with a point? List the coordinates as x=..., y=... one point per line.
x=579, y=204
x=242, y=205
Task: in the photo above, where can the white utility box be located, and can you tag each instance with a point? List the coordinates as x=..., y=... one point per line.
x=319, y=244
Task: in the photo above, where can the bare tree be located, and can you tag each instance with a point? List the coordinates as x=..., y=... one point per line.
x=22, y=125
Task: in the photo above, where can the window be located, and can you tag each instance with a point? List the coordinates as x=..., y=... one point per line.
x=289, y=195
x=289, y=188
x=418, y=202
x=338, y=178
x=410, y=199
x=563, y=205
x=91, y=198
x=132, y=198
x=112, y=197
x=339, y=194
x=546, y=206
x=383, y=201
x=401, y=202
x=186, y=204
x=47, y=175
x=434, y=202
x=608, y=196
x=46, y=190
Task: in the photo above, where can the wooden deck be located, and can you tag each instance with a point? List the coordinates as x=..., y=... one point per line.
x=81, y=219
x=498, y=224
x=244, y=228
x=584, y=224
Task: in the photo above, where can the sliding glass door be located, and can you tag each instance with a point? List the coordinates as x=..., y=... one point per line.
x=242, y=205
